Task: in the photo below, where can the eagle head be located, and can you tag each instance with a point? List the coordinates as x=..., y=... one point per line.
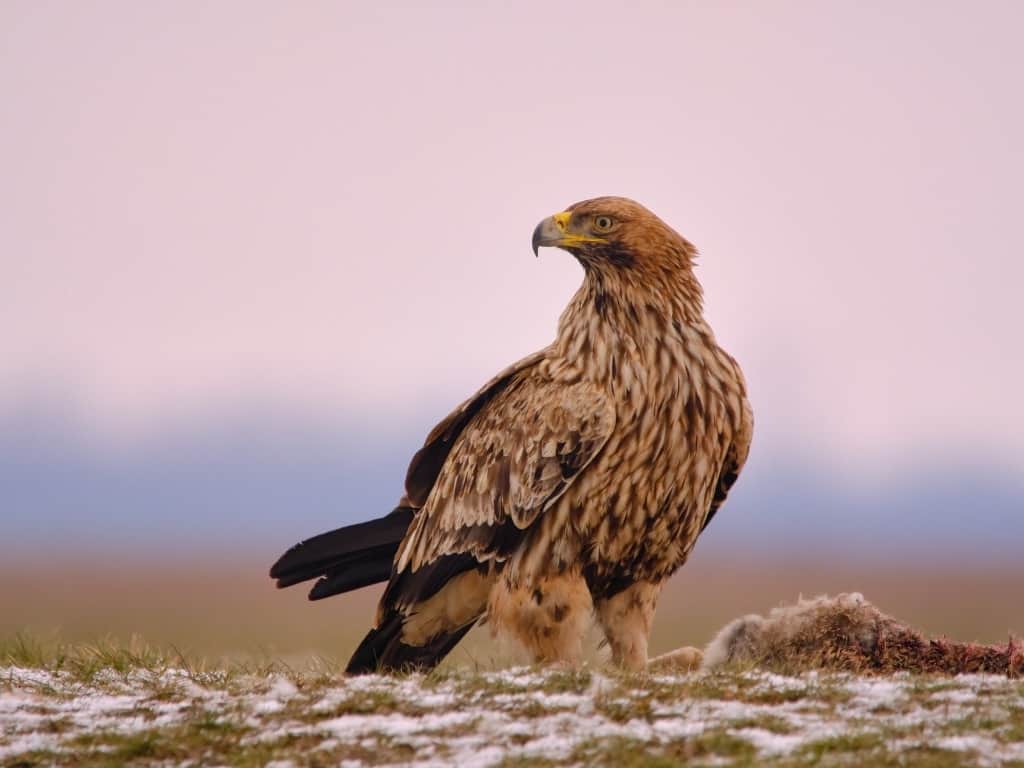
x=614, y=233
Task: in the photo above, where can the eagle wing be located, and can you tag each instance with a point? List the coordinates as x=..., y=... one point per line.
x=735, y=458
x=426, y=465
x=357, y=555
x=510, y=460
x=508, y=466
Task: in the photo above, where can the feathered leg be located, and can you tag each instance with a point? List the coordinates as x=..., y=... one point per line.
x=626, y=619
x=547, y=618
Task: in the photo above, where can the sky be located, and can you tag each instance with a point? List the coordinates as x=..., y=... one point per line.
x=322, y=211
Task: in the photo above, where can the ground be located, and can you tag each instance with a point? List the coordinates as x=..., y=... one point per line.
x=90, y=706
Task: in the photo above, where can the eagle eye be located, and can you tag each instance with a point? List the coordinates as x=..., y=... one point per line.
x=603, y=223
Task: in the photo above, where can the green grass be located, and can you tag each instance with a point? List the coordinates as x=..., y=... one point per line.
x=769, y=723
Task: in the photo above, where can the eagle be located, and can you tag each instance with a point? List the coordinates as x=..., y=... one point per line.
x=573, y=484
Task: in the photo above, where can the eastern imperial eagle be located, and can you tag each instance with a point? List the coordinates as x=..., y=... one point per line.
x=573, y=484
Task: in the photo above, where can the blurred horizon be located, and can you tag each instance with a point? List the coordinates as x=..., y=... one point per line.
x=259, y=480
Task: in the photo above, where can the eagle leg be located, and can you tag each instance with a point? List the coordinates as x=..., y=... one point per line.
x=547, y=618
x=626, y=619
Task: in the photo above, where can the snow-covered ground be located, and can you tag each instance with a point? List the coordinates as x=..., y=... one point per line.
x=520, y=716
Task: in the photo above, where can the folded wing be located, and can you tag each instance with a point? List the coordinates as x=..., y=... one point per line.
x=358, y=555
x=507, y=467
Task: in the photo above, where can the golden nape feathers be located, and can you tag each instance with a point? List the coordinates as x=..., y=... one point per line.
x=574, y=483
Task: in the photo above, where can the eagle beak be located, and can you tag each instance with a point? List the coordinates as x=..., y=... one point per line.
x=554, y=231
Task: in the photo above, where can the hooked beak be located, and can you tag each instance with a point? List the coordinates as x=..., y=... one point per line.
x=554, y=231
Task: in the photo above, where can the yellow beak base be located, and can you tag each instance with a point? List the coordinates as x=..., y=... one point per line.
x=554, y=231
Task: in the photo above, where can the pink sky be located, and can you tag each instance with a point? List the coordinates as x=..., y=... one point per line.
x=328, y=206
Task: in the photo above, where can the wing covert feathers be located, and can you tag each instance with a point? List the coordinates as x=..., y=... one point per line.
x=510, y=463
x=428, y=461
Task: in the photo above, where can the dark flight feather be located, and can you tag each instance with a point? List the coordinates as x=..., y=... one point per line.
x=348, y=558
x=382, y=650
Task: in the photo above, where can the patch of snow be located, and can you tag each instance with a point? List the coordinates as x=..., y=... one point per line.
x=393, y=725
x=769, y=743
x=874, y=692
x=963, y=743
x=447, y=723
x=274, y=700
x=28, y=742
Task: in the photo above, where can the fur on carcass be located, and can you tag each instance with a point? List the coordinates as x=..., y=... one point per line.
x=842, y=633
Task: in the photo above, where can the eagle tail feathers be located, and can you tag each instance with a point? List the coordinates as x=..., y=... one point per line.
x=346, y=558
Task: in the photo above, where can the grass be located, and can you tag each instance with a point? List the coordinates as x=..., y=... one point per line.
x=634, y=753
x=104, y=703
x=769, y=723
x=106, y=657
x=847, y=743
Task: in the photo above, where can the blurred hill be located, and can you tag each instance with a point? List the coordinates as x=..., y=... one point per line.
x=255, y=483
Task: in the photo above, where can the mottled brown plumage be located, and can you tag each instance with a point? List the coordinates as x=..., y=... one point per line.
x=577, y=481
